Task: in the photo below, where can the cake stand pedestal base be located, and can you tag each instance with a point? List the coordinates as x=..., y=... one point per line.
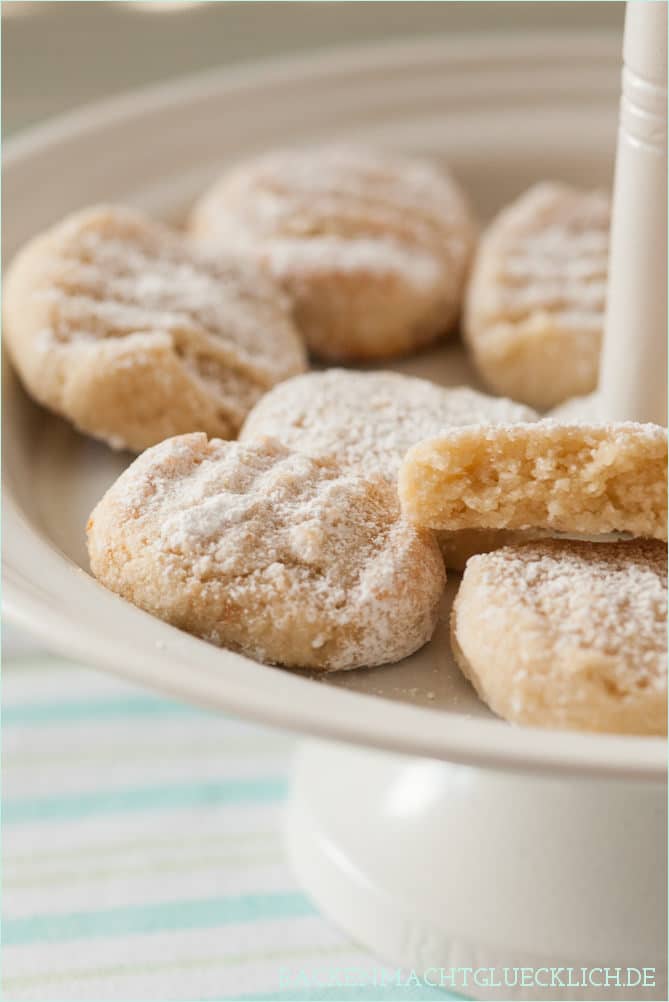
x=434, y=866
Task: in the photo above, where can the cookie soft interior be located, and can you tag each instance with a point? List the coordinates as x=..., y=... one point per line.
x=567, y=478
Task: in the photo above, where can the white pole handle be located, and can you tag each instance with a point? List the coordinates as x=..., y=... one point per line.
x=633, y=372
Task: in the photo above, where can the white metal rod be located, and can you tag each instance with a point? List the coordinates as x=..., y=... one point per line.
x=633, y=372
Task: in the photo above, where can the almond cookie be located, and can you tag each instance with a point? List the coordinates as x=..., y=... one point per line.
x=586, y=479
x=119, y=325
x=568, y=634
x=287, y=559
x=534, y=310
x=368, y=420
x=372, y=247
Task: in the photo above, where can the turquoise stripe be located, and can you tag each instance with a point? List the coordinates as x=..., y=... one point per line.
x=363, y=993
x=172, y=916
x=80, y=805
x=49, y=712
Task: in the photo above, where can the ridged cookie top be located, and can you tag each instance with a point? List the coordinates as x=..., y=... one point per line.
x=370, y=419
x=344, y=209
x=119, y=325
x=545, y=254
x=603, y=597
x=108, y=272
x=231, y=509
x=253, y=546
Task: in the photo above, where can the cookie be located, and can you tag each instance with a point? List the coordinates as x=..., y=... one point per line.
x=587, y=479
x=262, y=550
x=119, y=325
x=368, y=420
x=568, y=634
x=372, y=247
x=534, y=312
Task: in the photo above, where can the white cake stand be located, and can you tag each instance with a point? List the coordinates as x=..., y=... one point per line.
x=433, y=832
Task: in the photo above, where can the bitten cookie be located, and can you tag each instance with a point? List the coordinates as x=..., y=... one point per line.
x=534, y=310
x=367, y=421
x=372, y=247
x=587, y=479
x=116, y=323
x=568, y=634
x=287, y=559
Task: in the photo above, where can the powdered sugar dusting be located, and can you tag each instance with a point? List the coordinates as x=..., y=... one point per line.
x=369, y=420
x=118, y=273
x=120, y=325
x=608, y=598
x=548, y=253
x=286, y=558
x=348, y=209
x=534, y=311
x=347, y=255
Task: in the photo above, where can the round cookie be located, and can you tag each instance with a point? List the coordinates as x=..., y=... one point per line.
x=534, y=311
x=368, y=420
x=119, y=325
x=568, y=634
x=373, y=248
x=287, y=559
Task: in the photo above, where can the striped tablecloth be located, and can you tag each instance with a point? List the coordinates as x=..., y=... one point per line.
x=142, y=857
